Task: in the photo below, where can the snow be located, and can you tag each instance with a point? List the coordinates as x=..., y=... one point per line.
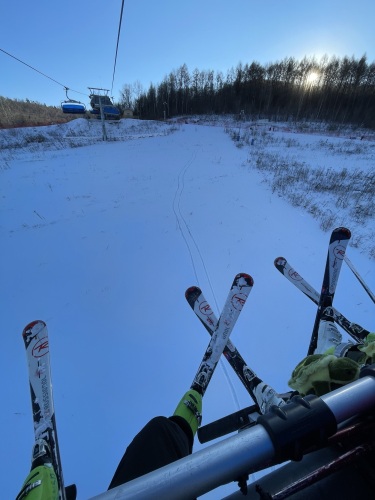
x=101, y=239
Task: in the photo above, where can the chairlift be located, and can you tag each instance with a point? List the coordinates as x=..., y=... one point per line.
x=71, y=106
x=100, y=97
x=111, y=113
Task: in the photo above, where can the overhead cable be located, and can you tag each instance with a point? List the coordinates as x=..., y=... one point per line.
x=40, y=72
x=118, y=39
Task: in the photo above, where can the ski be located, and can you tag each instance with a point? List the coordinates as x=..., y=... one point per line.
x=357, y=332
x=238, y=294
x=246, y=417
x=261, y=393
x=35, y=336
x=359, y=278
x=336, y=253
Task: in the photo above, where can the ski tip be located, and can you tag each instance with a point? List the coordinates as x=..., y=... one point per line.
x=192, y=294
x=343, y=232
x=33, y=327
x=191, y=290
x=243, y=276
x=280, y=261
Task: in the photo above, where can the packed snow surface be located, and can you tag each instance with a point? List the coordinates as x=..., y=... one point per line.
x=100, y=239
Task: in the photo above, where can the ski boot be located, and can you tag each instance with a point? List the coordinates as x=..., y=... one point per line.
x=328, y=336
x=267, y=397
x=41, y=483
x=190, y=408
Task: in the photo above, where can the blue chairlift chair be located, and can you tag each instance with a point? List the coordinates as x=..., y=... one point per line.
x=71, y=106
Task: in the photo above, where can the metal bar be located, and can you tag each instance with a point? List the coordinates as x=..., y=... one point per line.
x=203, y=471
x=249, y=451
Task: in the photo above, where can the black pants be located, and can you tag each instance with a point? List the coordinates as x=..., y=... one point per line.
x=162, y=441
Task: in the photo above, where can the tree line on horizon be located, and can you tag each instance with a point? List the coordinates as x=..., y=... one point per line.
x=340, y=90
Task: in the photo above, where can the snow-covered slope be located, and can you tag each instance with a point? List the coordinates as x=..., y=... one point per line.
x=102, y=240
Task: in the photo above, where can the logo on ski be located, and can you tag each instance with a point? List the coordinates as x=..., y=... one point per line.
x=339, y=252
x=40, y=349
x=238, y=301
x=205, y=308
x=294, y=275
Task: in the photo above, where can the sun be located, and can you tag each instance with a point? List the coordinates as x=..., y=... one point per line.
x=312, y=78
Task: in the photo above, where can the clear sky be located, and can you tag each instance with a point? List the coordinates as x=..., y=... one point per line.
x=74, y=42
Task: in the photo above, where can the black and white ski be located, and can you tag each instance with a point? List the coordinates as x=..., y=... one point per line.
x=336, y=252
x=261, y=393
x=238, y=294
x=357, y=332
x=35, y=336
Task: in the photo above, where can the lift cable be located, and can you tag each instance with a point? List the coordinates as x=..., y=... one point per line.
x=31, y=67
x=118, y=39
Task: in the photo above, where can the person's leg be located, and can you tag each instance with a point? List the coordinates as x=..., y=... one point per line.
x=162, y=441
x=159, y=443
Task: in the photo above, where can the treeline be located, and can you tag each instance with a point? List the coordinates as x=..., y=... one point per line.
x=333, y=89
x=26, y=113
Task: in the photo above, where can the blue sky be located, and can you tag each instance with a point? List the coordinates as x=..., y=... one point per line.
x=74, y=42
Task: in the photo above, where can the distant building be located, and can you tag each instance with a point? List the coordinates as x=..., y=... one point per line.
x=128, y=113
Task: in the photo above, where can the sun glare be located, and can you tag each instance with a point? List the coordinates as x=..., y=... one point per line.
x=312, y=78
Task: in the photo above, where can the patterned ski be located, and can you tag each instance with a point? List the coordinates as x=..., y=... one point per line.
x=238, y=294
x=261, y=393
x=357, y=332
x=336, y=253
x=35, y=336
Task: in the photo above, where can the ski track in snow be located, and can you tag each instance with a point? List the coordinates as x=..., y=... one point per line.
x=101, y=242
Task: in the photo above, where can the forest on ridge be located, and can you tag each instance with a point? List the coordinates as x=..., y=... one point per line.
x=340, y=90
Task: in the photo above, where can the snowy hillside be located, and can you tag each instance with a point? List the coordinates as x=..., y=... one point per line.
x=101, y=239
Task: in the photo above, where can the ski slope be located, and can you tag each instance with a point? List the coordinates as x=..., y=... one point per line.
x=101, y=239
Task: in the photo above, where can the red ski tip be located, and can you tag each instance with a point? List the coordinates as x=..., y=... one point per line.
x=31, y=325
x=343, y=230
x=249, y=280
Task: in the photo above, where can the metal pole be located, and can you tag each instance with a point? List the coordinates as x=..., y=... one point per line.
x=102, y=119
x=203, y=471
x=249, y=451
x=352, y=399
